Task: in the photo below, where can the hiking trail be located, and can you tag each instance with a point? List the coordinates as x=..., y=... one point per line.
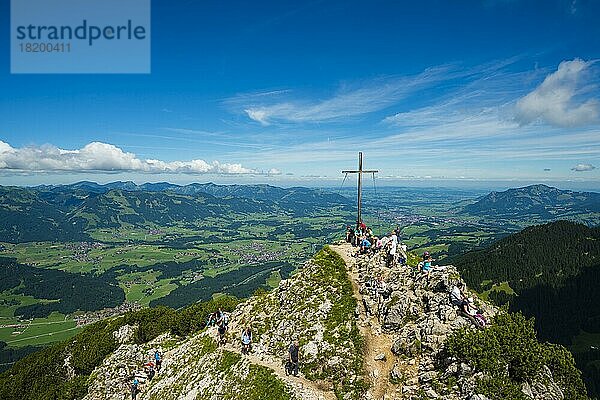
x=377, y=342
x=307, y=389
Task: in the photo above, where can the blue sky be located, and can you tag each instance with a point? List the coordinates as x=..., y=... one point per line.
x=468, y=91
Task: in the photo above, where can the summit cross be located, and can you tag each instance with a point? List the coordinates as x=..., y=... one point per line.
x=360, y=171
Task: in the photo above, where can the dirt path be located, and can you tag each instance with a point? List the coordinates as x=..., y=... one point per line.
x=376, y=342
x=308, y=390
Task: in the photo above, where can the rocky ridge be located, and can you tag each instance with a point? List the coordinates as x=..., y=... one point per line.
x=315, y=307
x=354, y=343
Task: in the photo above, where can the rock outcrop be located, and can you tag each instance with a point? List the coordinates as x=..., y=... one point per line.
x=417, y=313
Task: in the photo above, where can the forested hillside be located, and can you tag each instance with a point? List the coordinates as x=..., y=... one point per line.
x=550, y=272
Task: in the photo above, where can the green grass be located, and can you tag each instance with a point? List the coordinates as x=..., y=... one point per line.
x=584, y=341
x=39, y=331
x=498, y=287
x=274, y=279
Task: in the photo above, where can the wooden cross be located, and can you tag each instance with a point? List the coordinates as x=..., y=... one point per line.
x=360, y=171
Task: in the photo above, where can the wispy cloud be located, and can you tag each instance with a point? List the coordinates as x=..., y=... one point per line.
x=557, y=100
x=103, y=157
x=349, y=100
x=583, y=167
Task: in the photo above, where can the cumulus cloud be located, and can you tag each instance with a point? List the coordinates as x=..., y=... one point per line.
x=583, y=167
x=557, y=100
x=104, y=157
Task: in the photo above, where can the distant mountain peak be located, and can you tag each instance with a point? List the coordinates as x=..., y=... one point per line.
x=535, y=201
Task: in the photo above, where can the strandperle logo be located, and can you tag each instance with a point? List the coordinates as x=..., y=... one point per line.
x=85, y=31
x=80, y=36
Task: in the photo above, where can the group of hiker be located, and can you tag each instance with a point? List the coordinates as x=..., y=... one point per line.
x=220, y=319
x=151, y=368
x=363, y=238
x=396, y=254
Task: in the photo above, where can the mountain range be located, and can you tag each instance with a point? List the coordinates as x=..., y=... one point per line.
x=539, y=202
x=67, y=212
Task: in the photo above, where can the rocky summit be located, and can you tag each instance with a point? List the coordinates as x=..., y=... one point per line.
x=366, y=331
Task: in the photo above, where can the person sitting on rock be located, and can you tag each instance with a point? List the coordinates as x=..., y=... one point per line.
x=293, y=358
x=246, y=340
x=426, y=269
x=365, y=245
x=466, y=306
x=459, y=299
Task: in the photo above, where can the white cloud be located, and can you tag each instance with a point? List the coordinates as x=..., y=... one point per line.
x=583, y=167
x=103, y=157
x=259, y=115
x=556, y=100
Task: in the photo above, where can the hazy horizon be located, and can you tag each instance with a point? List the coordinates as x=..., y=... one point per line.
x=349, y=184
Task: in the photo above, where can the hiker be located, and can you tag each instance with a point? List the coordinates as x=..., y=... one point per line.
x=211, y=320
x=402, y=254
x=246, y=340
x=157, y=360
x=384, y=241
x=365, y=245
x=466, y=306
x=349, y=234
x=293, y=358
x=356, y=237
x=221, y=325
x=378, y=244
x=135, y=388
x=393, y=247
x=458, y=298
x=363, y=227
x=426, y=268
x=382, y=288
x=151, y=372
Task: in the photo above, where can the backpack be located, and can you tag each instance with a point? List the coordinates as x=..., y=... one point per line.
x=481, y=319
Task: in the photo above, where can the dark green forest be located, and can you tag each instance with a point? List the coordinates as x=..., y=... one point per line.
x=554, y=270
x=240, y=283
x=72, y=291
